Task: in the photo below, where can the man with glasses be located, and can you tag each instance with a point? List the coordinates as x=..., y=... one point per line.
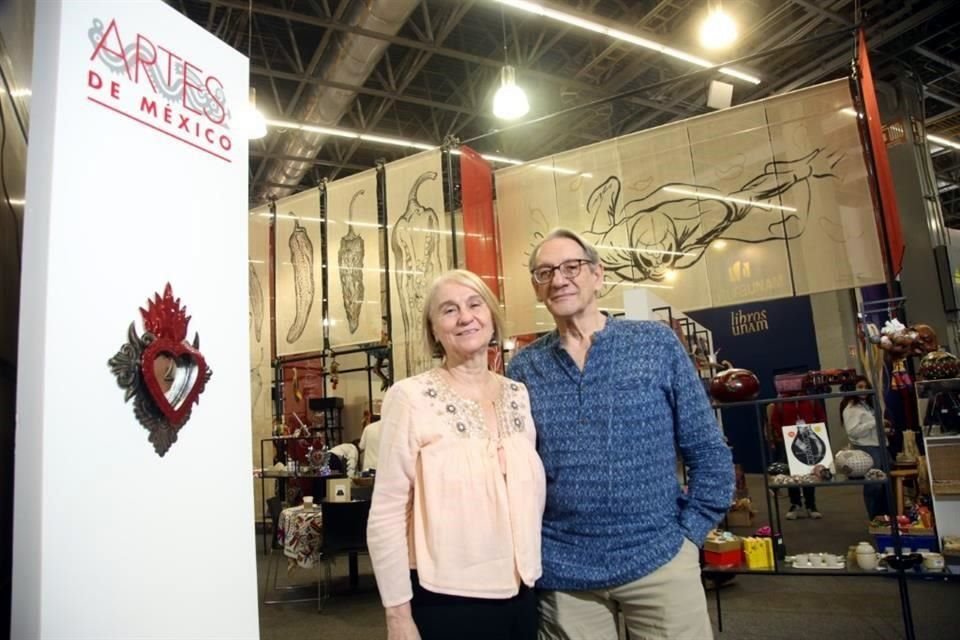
x=614, y=401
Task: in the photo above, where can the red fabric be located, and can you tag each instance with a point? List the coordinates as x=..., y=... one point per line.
x=480, y=233
x=881, y=162
x=788, y=413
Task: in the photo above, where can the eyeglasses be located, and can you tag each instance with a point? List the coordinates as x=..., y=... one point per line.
x=569, y=269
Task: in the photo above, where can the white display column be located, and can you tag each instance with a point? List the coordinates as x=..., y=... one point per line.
x=136, y=178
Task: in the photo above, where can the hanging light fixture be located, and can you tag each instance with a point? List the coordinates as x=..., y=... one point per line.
x=510, y=101
x=718, y=30
x=251, y=119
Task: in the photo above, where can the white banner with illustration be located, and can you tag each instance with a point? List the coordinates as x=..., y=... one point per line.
x=353, y=261
x=299, y=274
x=420, y=246
x=761, y=201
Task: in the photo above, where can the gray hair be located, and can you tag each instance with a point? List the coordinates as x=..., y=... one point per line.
x=589, y=251
x=471, y=281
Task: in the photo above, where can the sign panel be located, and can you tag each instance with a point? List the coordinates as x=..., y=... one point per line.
x=136, y=179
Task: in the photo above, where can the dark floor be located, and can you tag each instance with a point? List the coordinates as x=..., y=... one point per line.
x=753, y=607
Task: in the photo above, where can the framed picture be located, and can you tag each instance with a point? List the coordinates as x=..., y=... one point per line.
x=338, y=490
x=807, y=445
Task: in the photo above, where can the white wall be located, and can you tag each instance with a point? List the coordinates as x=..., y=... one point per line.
x=111, y=540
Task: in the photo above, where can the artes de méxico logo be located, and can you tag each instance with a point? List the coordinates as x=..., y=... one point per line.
x=160, y=370
x=153, y=83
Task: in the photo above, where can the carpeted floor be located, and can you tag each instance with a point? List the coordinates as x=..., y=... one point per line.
x=753, y=607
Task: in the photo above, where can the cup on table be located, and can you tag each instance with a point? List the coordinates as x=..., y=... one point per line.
x=801, y=560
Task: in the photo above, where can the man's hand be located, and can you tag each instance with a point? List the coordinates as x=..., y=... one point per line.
x=400, y=624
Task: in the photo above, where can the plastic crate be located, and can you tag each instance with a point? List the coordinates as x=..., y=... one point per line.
x=910, y=543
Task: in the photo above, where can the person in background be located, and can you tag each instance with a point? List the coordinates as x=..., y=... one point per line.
x=860, y=423
x=454, y=529
x=370, y=445
x=349, y=454
x=781, y=414
x=614, y=401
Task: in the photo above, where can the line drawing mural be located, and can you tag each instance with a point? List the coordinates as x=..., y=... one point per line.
x=668, y=228
x=256, y=302
x=420, y=247
x=301, y=257
x=350, y=261
x=416, y=259
x=298, y=275
x=759, y=201
x=354, y=249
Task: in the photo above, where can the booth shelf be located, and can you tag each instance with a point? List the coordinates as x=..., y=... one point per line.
x=830, y=483
x=773, y=507
x=926, y=388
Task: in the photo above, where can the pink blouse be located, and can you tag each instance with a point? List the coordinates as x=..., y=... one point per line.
x=442, y=505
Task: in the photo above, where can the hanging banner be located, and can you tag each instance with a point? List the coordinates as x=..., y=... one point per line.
x=481, y=249
x=761, y=201
x=132, y=390
x=261, y=371
x=353, y=261
x=299, y=274
x=420, y=247
x=887, y=196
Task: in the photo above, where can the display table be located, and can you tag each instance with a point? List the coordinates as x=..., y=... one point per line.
x=300, y=532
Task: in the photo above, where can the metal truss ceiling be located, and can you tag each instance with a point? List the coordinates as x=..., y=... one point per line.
x=437, y=74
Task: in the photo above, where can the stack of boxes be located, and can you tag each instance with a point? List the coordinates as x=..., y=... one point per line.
x=723, y=550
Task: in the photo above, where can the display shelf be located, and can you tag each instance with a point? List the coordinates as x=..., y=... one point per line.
x=926, y=388
x=789, y=399
x=773, y=508
x=830, y=483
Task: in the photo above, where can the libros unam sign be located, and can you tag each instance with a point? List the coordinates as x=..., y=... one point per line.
x=148, y=81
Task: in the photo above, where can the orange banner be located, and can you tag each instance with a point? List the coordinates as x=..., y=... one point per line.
x=881, y=162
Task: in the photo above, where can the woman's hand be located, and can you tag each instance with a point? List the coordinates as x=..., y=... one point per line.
x=400, y=624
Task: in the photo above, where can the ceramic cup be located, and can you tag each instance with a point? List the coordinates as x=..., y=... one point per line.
x=801, y=559
x=816, y=560
x=831, y=560
x=933, y=561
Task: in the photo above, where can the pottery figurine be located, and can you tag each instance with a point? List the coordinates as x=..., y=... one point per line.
x=866, y=556
x=734, y=385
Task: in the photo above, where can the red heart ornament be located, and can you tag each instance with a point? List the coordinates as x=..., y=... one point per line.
x=174, y=373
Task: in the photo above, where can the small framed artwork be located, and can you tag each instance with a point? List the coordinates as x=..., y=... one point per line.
x=338, y=490
x=808, y=446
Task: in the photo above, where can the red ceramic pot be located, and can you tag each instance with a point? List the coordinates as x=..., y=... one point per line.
x=734, y=385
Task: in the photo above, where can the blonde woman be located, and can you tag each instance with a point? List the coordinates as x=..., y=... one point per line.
x=454, y=530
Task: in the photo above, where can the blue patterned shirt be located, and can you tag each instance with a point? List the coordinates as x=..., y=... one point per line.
x=609, y=438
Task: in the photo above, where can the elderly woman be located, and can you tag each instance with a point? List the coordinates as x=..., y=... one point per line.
x=454, y=531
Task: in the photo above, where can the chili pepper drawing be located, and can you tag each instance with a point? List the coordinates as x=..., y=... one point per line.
x=256, y=302
x=301, y=257
x=417, y=260
x=350, y=262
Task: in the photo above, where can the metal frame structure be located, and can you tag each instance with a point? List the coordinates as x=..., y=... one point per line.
x=439, y=68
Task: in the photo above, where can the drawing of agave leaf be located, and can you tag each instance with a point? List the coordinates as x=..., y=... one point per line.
x=301, y=257
x=350, y=262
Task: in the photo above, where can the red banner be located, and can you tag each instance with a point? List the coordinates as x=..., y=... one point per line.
x=881, y=162
x=481, y=250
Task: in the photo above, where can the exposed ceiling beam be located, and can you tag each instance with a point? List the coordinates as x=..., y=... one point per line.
x=936, y=57
x=317, y=161
x=380, y=93
x=832, y=16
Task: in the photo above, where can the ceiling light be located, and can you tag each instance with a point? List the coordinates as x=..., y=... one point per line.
x=253, y=121
x=510, y=101
x=670, y=275
x=719, y=30
x=596, y=27
x=943, y=142
x=713, y=196
x=719, y=245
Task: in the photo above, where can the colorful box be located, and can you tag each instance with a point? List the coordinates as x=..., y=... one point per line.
x=758, y=553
